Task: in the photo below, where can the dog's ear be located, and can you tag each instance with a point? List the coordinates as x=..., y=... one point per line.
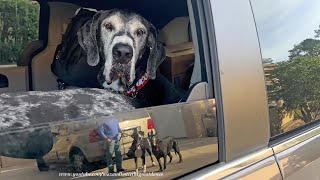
x=150, y=135
x=88, y=37
x=157, y=52
x=141, y=133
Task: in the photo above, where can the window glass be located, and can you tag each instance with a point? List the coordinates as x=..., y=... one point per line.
x=289, y=34
x=73, y=131
x=19, y=24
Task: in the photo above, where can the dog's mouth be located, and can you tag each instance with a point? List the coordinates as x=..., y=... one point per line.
x=120, y=72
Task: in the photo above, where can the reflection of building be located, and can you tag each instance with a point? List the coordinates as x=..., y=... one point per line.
x=268, y=69
x=288, y=122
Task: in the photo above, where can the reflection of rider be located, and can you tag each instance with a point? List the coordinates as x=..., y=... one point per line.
x=111, y=133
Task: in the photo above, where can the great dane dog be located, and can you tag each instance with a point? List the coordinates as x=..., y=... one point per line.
x=121, y=39
x=161, y=148
x=118, y=50
x=139, y=147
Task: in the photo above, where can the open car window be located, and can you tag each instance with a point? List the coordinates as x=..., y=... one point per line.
x=69, y=130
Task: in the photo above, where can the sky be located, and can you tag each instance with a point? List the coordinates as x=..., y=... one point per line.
x=283, y=23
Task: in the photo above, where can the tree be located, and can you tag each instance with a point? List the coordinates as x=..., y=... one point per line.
x=317, y=31
x=308, y=48
x=297, y=83
x=19, y=23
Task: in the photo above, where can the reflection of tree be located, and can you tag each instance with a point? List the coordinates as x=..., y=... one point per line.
x=18, y=26
x=274, y=114
x=307, y=48
x=293, y=85
x=296, y=82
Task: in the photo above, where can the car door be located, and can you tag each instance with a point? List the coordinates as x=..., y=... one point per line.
x=244, y=151
x=299, y=157
x=222, y=126
x=289, y=40
x=291, y=148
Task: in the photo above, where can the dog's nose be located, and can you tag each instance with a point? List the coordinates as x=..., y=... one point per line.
x=122, y=53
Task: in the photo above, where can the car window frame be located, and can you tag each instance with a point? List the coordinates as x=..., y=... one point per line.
x=292, y=134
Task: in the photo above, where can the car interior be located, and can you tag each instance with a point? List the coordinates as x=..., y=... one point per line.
x=184, y=67
x=32, y=71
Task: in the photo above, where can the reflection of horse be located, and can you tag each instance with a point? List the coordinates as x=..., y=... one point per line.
x=138, y=148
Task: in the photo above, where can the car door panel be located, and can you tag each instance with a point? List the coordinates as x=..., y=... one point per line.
x=301, y=158
x=258, y=165
x=265, y=169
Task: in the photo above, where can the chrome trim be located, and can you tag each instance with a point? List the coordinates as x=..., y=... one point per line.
x=297, y=140
x=216, y=78
x=130, y=128
x=222, y=170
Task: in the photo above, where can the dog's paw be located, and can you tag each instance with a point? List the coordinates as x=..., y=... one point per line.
x=114, y=86
x=137, y=171
x=144, y=169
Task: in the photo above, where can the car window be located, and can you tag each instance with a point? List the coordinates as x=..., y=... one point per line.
x=68, y=132
x=289, y=38
x=19, y=24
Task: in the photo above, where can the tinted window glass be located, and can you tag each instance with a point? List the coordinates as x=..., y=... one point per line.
x=290, y=46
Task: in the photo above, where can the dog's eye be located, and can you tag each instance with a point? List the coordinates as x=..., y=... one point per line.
x=109, y=26
x=140, y=32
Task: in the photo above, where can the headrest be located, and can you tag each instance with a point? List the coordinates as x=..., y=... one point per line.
x=176, y=31
x=89, y=9
x=66, y=23
x=28, y=52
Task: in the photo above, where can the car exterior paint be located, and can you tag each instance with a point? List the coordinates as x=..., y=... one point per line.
x=250, y=152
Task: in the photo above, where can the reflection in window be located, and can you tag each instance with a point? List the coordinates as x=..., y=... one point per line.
x=73, y=119
x=289, y=38
x=3, y=81
x=19, y=23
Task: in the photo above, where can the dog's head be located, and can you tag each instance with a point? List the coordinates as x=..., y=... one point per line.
x=137, y=135
x=120, y=38
x=153, y=138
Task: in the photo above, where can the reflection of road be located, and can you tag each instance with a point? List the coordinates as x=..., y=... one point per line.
x=196, y=153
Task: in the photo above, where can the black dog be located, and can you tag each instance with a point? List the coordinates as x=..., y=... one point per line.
x=114, y=49
x=139, y=147
x=162, y=148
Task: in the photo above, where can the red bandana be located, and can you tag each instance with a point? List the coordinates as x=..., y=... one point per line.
x=133, y=90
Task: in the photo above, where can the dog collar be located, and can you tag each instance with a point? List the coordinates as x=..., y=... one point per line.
x=133, y=90
x=157, y=147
